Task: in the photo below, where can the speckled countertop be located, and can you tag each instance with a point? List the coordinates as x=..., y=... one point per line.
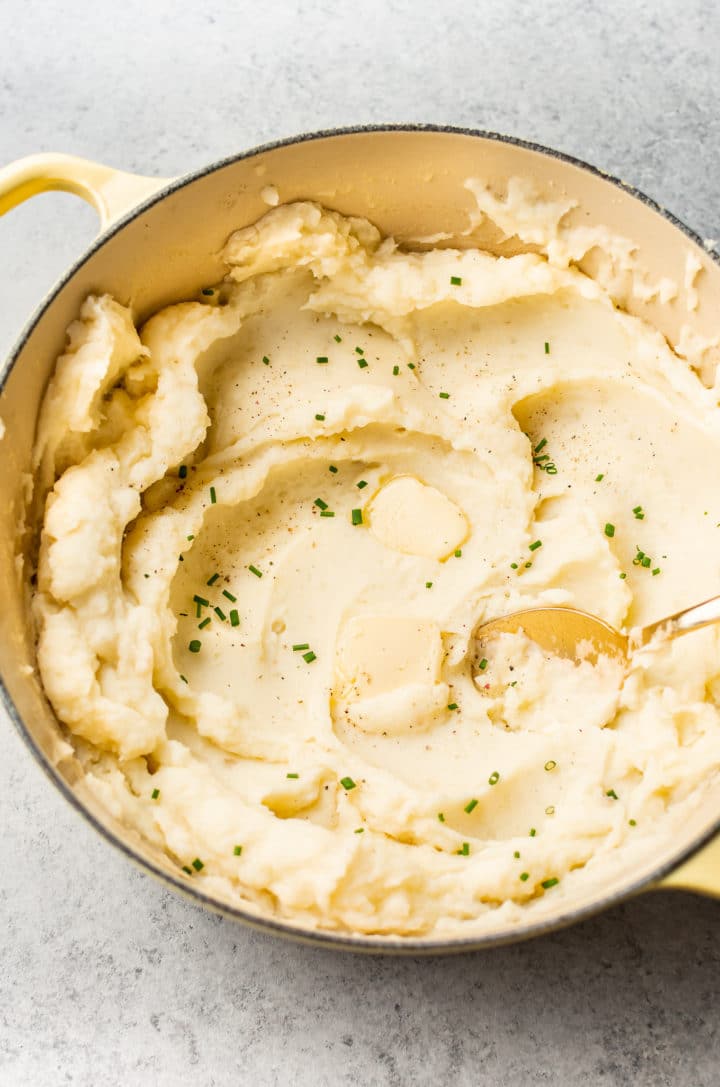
x=106, y=977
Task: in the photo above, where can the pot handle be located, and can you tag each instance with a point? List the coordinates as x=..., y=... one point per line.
x=700, y=873
x=111, y=192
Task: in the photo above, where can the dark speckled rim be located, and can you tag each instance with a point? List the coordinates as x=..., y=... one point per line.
x=341, y=940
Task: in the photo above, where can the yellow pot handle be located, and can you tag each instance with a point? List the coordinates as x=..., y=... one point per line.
x=700, y=873
x=111, y=192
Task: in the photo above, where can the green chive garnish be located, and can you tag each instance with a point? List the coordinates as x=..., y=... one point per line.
x=254, y=570
x=309, y=657
x=182, y=471
x=360, y=830
x=299, y=648
x=600, y=478
x=292, y=775
x=534, y=546
x=516, y=855
x=396, y=371
x=213, y=496
x=444, y=396
x=201, y=601
x=456, y=281
x=320, y=504
x=470, y=806
x=639, y=513
x=632, y=822
x=338, y=339
x=465, y=850
x=195, y=646
x=212, y=580
x=229, y=596
x=548, y=883
x=234, y=618
x=237, y=850
x=623, y=576
x=207, y=290
x=205, y=622
x=656, y=571
x=320, y=418
x=266, y=360
x=609, y=530
x=483, y=664
x=494, y=778
x=347, y=783
x=547, y=348
x=155, y=794
x=220, y=614
x=428, y=584
x=533, y=832
x=441, y=816
x=513, y=566
x=524, y=876
x=360, y=350
x=322, y=359
x=540, y=445
x=458, y=553
x=612, y=794
x=361, y=485
x=452, y=705
x=332, y=468
x=356, y=517
x=183, y=678
x=327, y=513
x=362, y=363
x=186, y=869
x=198, y=864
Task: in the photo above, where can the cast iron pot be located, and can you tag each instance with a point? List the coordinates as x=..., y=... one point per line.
x=159, y=243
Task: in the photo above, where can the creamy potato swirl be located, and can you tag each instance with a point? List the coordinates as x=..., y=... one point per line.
x=277, y=514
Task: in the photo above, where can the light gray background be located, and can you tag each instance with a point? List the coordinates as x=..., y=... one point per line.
x=106, y=978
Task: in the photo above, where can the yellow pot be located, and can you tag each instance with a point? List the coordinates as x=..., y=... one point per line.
x=160, y=242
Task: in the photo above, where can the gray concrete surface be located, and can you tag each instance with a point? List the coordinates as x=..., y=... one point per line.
x=106, y=978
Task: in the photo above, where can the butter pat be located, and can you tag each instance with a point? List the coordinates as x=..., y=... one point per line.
x=417, y=519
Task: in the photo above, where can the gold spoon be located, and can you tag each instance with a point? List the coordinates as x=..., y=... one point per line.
x=568, y=632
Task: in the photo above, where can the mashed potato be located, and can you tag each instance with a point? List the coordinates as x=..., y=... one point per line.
x=276, y=515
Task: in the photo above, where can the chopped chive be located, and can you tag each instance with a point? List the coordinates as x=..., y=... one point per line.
x=470, y=806
x=639, y=513
x=428, y=584
x=190, y=537
x=198, y=864
x=195, y=646
x=540, y=445
x=186, y=869
x=534, y=546
x=332, y=468
x=513, y=566
x=656, y=571
x=362, y=363
x=322, y=359
x=547, y=348
x=212, y=580
x=632, y=822
x=201, y=601
x=292, y=775
x=320, y=418
x=309, y=657
x=327, y=513
x=458, y=553
x=465, y=850
x=516, y=855
x=452, y=705
x=494, y=778
x=299, y=648
x=182, y=471
x=356, y=517
x=551, y=470
x=548, y=883
x=183, y=678
x=483, y=664
x=359, y=350
x=361, y=485
x=207, y=291
x=550, y=764
x=320, y=504
x=266, y=360
x=646, y=562
x=220, y=614
x=444, y=396
x=612, y=794
x=234, y=618
x=456, y=281
x=528, y=565
x=609, y=530
x=237, y=850
x=533, y=832
x=229, y=596
x=198, y=611
x=347, y=783
x=441, y=816
x=514, y=683
x=360, y=830
x=524, y=876
x=338, y=339
x=623, y=576
x=155, y=794
x=396, y=371
x=205, y=622
x=254, y=570
x=213, y=496
x=411, y=366
x=600, y=478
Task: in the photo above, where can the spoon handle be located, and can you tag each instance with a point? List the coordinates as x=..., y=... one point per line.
x=682, y=622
